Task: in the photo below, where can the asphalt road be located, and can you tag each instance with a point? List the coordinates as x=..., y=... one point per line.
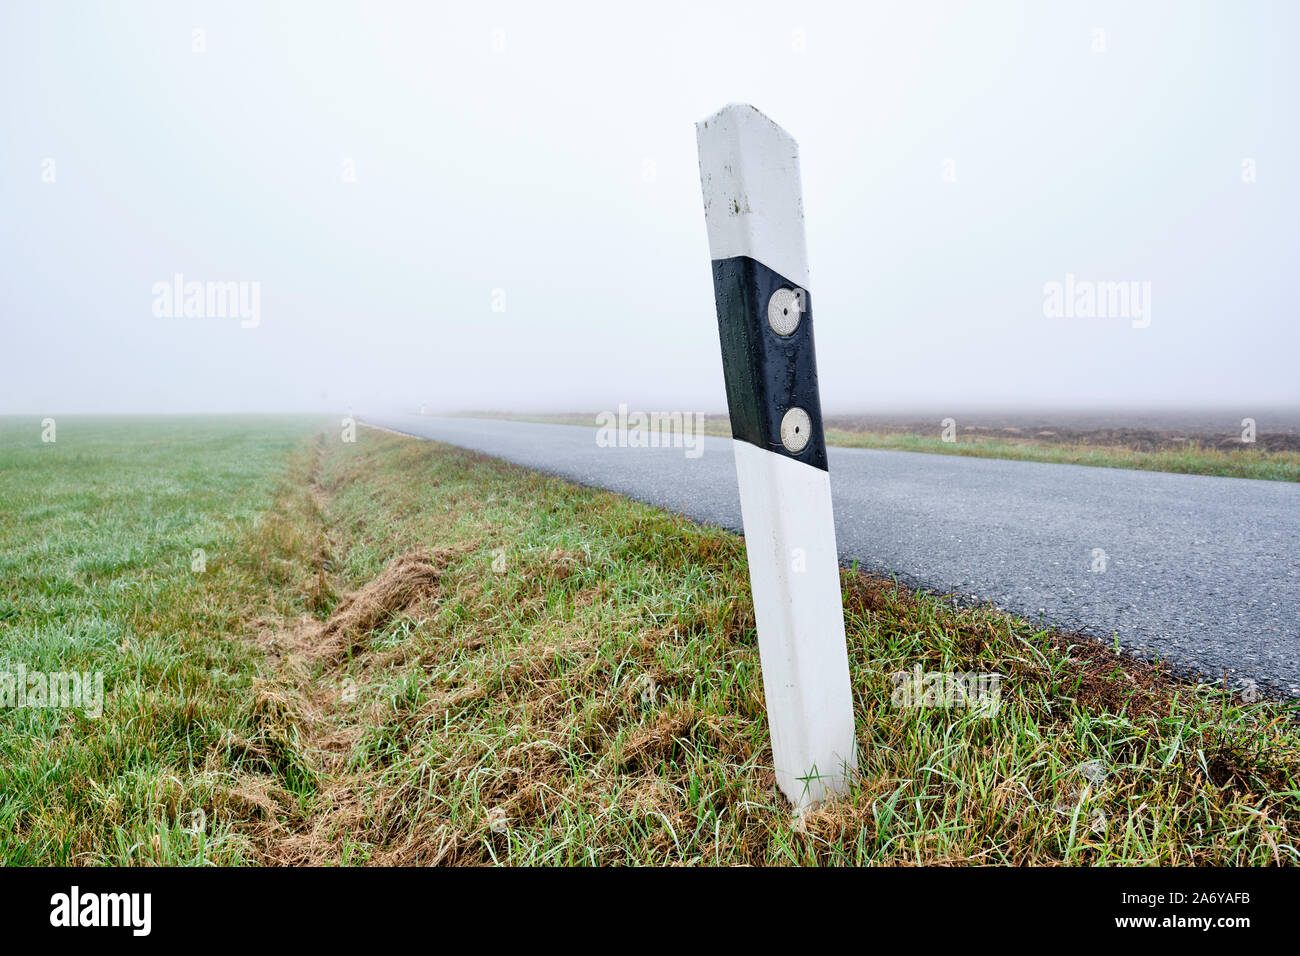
x=1204, y=572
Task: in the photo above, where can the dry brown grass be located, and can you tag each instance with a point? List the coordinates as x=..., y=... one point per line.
x=598, y=700
x=408, y=578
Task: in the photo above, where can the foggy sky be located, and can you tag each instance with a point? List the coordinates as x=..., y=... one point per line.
x=542, y=157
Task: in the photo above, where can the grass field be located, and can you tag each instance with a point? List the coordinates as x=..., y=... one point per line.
x=1190, y=457
x=398, y=652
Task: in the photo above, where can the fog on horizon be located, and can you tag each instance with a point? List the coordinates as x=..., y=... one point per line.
x=498, y=206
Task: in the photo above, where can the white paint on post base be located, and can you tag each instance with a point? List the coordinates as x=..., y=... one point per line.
x=794, y=574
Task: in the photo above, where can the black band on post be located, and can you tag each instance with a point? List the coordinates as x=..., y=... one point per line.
x=766, y=373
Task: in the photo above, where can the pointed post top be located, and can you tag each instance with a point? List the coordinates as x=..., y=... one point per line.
x=753, y=194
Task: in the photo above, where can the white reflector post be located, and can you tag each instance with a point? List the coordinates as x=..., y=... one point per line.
x=753, y=207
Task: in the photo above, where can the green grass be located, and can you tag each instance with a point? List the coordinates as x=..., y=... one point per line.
x=578, y=684
x=1189, y=458
x=97, y=534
